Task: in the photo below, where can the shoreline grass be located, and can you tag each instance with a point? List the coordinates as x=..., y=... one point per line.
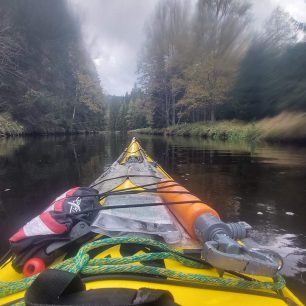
x=9, y=127
x=286, y=127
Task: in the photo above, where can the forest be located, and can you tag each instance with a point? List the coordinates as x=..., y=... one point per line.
x=201, y=61
x=210, y=62
x=48, y=82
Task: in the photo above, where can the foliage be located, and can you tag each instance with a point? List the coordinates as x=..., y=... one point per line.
x=211, y=64
x=285, y=127
x=272, y=75
x=128, y=112
x=163, y=59
x=8, y=126
x=189, y=61
x=117, y=108
x=115, y=105
x=47, y=81
x=224, y=130
x=136, y=116
x=270, y=84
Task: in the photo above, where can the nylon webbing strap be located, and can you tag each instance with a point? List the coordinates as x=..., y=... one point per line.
x=55, y=287
x=85, y=265
x=50, y=285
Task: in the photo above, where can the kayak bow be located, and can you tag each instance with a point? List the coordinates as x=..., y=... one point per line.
x=153, y=233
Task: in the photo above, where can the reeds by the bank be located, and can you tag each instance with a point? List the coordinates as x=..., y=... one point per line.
x=283, y=127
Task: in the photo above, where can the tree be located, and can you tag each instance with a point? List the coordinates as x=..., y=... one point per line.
x=136, y=116
x=218, y=28
x=46, y=75
x=117, y=112
x=189, y=61
x=160, y=61
x=271, y=76
x=281, y=30
x=9, y=48
x=89, y=98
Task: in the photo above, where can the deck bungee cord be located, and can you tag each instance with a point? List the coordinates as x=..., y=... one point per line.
x=123, y=176
x=130, y=191
x=131, y=224
x=215, y=231
x=131, y=206
x=81, y=263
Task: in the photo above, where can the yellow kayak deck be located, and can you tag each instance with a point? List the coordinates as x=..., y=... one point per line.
x=184, y=293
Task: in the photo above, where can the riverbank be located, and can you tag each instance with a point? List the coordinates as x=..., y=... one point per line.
x=11, y=128
x=286, y=127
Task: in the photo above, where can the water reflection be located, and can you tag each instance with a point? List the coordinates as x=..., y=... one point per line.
x=9, y=146
x=265, y=185
x=34, y=170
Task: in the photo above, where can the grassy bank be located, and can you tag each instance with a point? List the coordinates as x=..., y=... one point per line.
x=284, y=127
x=9, y=127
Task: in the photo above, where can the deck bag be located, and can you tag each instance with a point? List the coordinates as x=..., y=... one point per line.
x=53, y=225
x=151, y=221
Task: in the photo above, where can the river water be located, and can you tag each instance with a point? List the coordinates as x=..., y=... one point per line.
x=263, y=185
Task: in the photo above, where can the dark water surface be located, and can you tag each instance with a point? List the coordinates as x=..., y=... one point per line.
x=264, y=185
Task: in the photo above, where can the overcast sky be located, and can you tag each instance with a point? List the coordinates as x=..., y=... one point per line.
x=114, y=31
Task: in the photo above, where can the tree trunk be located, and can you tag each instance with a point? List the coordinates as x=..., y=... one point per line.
x=167, y=111
x=72, y=119
x=212, y=113
x=173, y=109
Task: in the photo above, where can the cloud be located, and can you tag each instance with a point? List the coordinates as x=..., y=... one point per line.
x=263, y=8
x=113, y=31
x=296, y=8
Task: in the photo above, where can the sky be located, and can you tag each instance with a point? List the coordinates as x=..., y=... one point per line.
x=113, y=31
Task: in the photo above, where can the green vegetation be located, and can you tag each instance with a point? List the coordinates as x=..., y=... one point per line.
x=203, y=62
x=9, y=127
x=128, y=112
x=48, y=83
x=271, y=80
x=208, y=63
x=222, y=130
x=190, y=59
x=284, y=127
